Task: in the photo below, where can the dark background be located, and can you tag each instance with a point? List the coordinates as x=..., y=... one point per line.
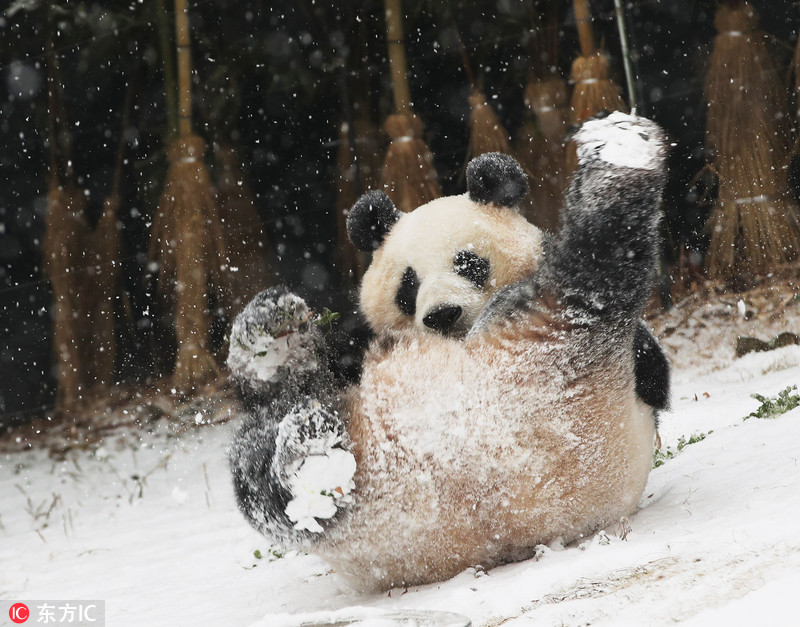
x=277, y=81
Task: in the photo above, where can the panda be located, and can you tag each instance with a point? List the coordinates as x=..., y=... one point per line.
x=446, y=259
x=460, y=451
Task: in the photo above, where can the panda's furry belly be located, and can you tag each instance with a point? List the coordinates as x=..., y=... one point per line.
x=474, y=454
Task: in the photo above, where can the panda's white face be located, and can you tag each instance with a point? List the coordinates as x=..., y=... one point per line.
x=440, y=264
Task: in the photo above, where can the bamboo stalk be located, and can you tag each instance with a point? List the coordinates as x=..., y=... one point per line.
x=397, y=55
x=62, y=252
x=626, y=57
x=184, y=68
x=583, y=20
x=165, y=46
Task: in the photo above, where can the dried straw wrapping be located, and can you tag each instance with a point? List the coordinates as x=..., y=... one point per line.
x=189, y=247
x=541, y=148
x=408, y=176
x=549, y=100
x=796, y=87
x=486, y=132
x=187, y=191
x=194, y=364
x=754, y=222
x=594, y=90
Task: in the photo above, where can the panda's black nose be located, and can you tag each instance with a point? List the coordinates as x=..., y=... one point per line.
x=442, y=318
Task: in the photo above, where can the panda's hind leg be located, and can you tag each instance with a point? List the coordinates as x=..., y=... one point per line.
x=651, y=369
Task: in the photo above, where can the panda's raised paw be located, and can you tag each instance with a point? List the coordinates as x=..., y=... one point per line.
x=313, y=463
x=273, y=335
x=622, y=140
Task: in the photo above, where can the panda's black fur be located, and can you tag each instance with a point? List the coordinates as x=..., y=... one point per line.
x=371, y=218
x=558, y=343
x=406, y=295
x=495, y=178
x=651, y=368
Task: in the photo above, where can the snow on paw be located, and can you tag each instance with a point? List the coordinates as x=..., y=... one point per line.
x=312, y=462
x=621, y=140
x=273, y=336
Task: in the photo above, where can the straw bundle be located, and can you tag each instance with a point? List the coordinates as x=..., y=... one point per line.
x=540, y=146
x=549, y=100
x=248, y=250
x=754, y=221
x=187, y=243
x=594, y=90
x=194, y=364
x=408, y=176
x=486, y=132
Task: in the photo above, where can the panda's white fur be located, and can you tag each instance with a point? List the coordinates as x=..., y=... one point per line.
x=427, y=240
x=511, y=439
x=474, y=451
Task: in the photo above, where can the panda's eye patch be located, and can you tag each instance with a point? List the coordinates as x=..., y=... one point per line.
x=473, y=268
x=406, y=297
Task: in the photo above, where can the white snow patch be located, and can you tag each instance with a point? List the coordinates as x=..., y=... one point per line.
x=620, y=139
x=320, y=483
x=257, y=353
x=754, y=365
x=741, y=308
x=717, y=541
x=179, y=495
x=268, y=354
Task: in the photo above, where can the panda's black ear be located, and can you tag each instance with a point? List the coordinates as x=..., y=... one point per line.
x=370, y=219
x=495, y=178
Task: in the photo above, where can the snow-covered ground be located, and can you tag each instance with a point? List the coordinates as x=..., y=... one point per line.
x=149, y=524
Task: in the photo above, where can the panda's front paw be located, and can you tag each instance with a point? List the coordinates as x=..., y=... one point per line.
x=313, y=464
x=274, y=336
x=622, y=140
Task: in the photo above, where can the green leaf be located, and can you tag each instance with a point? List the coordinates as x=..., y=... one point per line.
x=774, y=407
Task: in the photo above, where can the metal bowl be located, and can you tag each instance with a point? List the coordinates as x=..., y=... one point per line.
x=370, y=617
